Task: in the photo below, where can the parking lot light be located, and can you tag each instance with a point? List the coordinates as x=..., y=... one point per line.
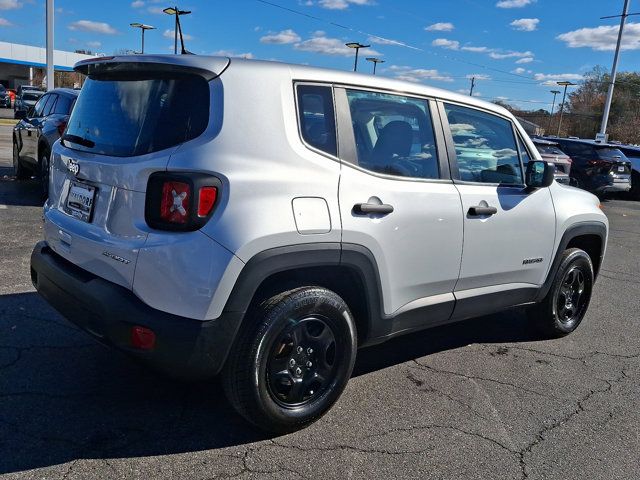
x=564, y=84
x=357, y=46
x=375, y=62
x=176, y=12
x=142, y=27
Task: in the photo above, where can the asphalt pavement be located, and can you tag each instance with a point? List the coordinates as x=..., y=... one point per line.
x=482, y=399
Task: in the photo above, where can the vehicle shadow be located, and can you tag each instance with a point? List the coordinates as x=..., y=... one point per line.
x=26, y=193
x=65, y=397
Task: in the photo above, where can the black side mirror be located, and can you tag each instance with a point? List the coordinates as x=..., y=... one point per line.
x=539, y=174
x=20, y=114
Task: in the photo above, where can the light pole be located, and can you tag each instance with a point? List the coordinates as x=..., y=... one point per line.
x=51, y=74
x=357, y=46
x=177, y=12
x=565, y=85
x=614, y=69
x=142, y=27
x=555, y=92
x=375, y=62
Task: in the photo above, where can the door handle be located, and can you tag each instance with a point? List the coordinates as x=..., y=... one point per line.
x=480, y=210
x=367, y=208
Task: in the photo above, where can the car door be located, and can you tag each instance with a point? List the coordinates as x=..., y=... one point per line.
x=509, y=230
x=29, y=130
x=397, y=200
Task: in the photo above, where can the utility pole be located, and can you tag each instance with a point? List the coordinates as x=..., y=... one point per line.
x=375, y=62
x=357, y=46
x=555, y=92
x=473, y=84
x=50, y=70
x=614, y=69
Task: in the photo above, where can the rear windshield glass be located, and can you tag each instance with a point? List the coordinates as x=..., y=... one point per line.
x=549, y=149
x=124, y=116
x=31, y=96
x=610, y=154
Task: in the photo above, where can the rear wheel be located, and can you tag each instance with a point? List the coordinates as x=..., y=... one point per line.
x=634, y=193
x=566, y=303
x=18, y=169
x=292, y=359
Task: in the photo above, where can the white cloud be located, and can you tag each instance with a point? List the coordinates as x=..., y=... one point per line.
x=479, y=76
x=519, y=71
x=418, y=75
x=281, y=38
x=603, y=38
x=476, y=49
x=9, y=4
x=524, y=60
x=509, y=54
x=550, y=79
x=170, y=33
x=94, y=44
x=525, y=24
x=230, y=53
x=320, y=43
x=156, y=10
x=91, y=26
x=137, y=4
x=514, y=3
x=440, y=27
x=5, y=23
x=445, y=43
x=341, y=4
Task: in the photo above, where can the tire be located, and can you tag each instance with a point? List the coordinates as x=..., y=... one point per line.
x=18, y=169
x=566, y=303
x=292, y=359
x=44, y=166
x=634, y=193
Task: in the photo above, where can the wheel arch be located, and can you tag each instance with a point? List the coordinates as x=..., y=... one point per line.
x=348, y=270
x=588, y=236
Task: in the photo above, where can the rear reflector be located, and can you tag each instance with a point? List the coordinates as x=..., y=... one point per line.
x=175, y=202
x=143, y=338
x=206, y=200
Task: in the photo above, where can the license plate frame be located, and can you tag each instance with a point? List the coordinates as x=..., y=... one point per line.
x=620, y=168
x=81, y=201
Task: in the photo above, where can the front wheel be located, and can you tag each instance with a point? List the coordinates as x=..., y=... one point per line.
x=292, y=359
x=566, y=303
x=18, y=169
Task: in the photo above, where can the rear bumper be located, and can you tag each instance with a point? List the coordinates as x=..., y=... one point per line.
x=614, y=187
x=184, y=348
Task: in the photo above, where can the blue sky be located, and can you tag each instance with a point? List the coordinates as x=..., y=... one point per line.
x=516, y=49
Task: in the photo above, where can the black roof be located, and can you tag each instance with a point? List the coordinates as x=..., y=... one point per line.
x=585, y=141
x=66, y=91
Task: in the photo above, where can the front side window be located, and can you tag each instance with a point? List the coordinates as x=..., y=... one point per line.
x=48, y=108
x=486, y=149
x=317, y=117
x=38, y=108
x=393, y=134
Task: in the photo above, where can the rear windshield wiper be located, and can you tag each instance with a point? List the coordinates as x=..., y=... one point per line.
x=78, y=140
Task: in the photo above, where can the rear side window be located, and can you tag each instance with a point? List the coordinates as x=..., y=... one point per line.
x=129, y=115
x=486, y=149
x=317, y=117
x=63, y=105
x=394, y=134
x=610, y=154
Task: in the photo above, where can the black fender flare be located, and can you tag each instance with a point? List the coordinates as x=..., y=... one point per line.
x=574, y=231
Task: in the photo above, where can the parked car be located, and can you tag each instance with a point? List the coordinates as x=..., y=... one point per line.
x=35, y=134
x=597, y=166
x=551, y=153
x=25, y=100
x=633, y=155
x=208, y=224
x=5, y=97
x=12, y=97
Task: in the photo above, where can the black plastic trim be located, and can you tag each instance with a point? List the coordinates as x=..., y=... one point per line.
x=576, y=230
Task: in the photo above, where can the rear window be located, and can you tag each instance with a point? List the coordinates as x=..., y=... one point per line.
x=608, y=153
x=31, y=96
x=549, y=149
x=129, y=116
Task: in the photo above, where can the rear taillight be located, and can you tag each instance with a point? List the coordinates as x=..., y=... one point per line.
x=62, y=126
x=181, y=201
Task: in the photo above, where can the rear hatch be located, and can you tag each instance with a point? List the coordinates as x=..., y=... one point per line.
x=130, y=116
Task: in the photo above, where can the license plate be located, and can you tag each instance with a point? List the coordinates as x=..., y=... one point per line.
x=80, y=201
x=621, y=169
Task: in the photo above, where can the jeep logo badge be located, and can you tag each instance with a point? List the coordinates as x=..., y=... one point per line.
x=73, y=167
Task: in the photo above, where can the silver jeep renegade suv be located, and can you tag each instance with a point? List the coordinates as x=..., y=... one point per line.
x=263, y=221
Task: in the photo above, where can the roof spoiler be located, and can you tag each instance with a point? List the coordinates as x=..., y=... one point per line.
x=207, y=67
